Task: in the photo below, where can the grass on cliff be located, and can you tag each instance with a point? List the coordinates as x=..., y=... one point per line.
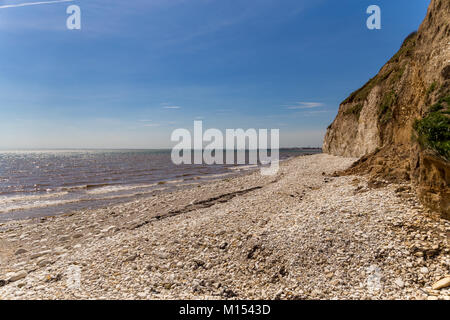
x=385, y=110
x=433, y=131
x=390, y=74
x=363, y=93
x=354, y=110
x=407, y=48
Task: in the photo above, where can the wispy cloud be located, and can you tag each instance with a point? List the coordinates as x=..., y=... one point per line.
x=25, y=4
x=304, y=105
x=152, y=125
x=171, y=107
x=318, y=111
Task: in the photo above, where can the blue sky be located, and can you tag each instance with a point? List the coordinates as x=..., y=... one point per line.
x=139, y=69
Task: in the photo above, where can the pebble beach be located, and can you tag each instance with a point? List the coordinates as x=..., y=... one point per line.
x=304, y=233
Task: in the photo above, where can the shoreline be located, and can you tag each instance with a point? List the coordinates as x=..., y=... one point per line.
x=91, y=194
x=301, y=234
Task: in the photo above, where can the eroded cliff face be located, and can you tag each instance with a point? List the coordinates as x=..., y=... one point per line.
x=389, y=122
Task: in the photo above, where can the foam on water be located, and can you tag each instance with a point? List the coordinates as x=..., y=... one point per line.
x=47, y=182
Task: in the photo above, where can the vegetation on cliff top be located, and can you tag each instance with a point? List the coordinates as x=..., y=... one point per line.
x=433, y=131
x=354, y=110
x=390, y=74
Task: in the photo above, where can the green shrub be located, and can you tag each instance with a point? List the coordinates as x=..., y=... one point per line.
x=445, y=100
x=436, y=107
x=442, y=104
x=433, y=131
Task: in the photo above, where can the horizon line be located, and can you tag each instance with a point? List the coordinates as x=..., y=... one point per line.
x=168, y=148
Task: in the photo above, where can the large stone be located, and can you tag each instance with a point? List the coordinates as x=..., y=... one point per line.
x=20, y=251
x=131, y=258
x=40, y=254
x=424, y=270
x=17, y=276
x=399, y=282
x=443, y=283
x=108, y=229
x=43, y=263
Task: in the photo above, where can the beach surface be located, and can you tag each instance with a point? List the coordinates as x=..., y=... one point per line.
x=304, y=233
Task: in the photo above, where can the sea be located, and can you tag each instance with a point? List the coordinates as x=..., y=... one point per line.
x=37, y=183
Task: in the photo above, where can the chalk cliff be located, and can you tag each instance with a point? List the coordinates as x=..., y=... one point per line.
x=398, y=123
